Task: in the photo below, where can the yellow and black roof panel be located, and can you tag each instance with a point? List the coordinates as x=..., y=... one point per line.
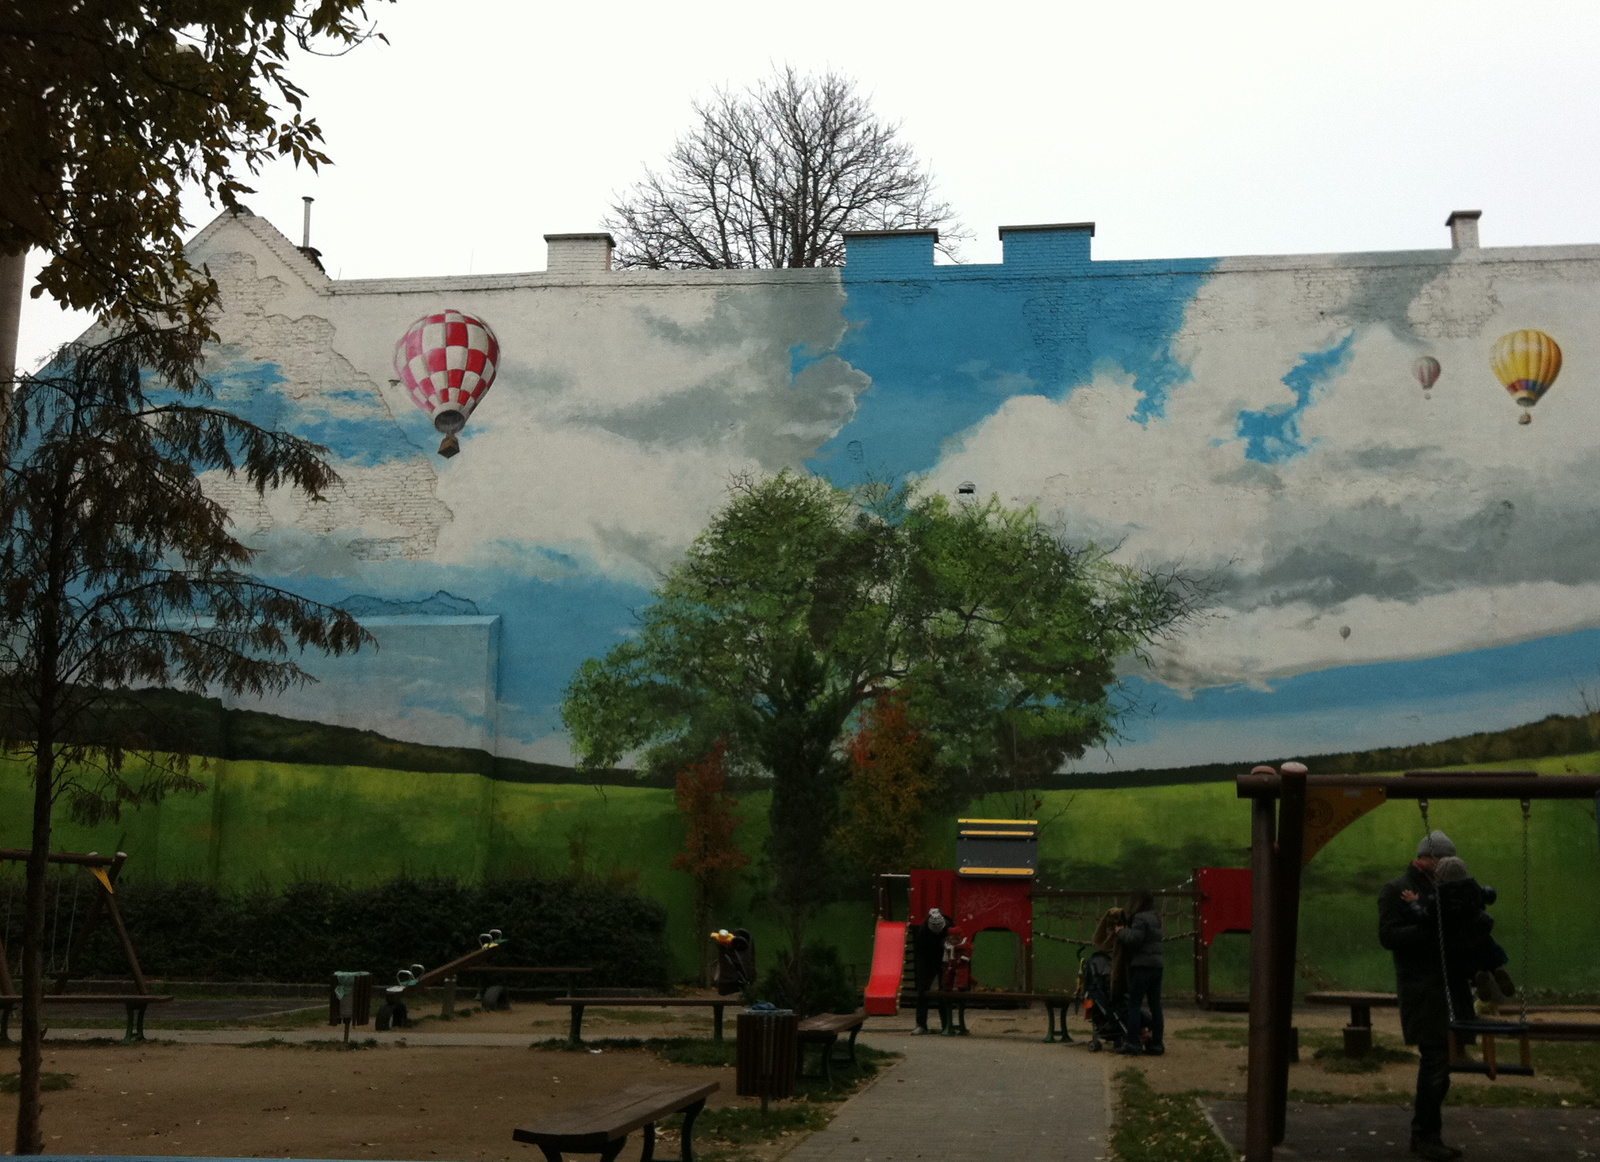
x=1001, y=848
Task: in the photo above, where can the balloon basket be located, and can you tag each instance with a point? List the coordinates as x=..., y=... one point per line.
x=449, y=446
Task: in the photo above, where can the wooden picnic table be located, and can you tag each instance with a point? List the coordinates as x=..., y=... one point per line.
x=602, y=1126
x=578, y=1004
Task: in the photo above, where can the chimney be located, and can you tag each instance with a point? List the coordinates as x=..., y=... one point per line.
x=578, y=253
x=305, y=246
x=1463, y=229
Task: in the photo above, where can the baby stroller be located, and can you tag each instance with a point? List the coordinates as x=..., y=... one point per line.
x=1094, y=989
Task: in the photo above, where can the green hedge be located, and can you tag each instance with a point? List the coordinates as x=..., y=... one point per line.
x=192, y=931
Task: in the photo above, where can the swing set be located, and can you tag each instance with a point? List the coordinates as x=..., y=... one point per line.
x=1293, y=814
x=103, y=869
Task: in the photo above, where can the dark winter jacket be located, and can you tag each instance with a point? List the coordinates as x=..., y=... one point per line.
x=1413, y=937
x=1142, y=940
x=927, y=955
x=1462, y=903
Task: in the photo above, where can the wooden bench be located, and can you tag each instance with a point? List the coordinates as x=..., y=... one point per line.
x=135, y=1003
x=578, y=1004
x=1055, y=1007
x=602, y=1126
x=1358, y=1033
x=824, y=1030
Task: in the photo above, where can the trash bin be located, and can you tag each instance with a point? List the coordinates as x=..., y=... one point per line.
x=350, y=1000
x=767, y=1053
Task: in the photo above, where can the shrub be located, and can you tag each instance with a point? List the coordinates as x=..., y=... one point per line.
x=191, y=931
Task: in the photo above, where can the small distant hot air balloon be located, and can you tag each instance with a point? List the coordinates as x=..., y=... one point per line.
x=1426, y=370
x=447, y=362
x=1527, y=362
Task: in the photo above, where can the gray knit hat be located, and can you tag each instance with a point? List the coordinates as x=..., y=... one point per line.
x=1451, y=868
x=1435, y=844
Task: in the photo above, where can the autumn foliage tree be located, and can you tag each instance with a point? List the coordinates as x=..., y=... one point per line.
x=710, y=855
x=887, y=791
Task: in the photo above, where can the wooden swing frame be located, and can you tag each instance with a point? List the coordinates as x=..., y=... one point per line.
x=103, y=902
x=1277, y=847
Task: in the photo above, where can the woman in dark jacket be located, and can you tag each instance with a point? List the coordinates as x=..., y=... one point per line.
x=927, y=961
x=1141, y=942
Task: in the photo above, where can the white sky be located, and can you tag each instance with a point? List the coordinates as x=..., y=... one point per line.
x=1180, y=128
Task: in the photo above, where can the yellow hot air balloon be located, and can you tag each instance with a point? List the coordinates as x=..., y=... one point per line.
x=1527, y=362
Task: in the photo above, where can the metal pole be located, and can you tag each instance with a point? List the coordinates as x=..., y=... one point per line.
x=1286, y=885
x=1258, y=1118
x=305, y=232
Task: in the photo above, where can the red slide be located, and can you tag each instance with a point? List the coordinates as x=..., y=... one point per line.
x=888, y=964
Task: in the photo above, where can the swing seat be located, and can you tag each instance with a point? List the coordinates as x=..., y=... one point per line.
x=1491, y=1066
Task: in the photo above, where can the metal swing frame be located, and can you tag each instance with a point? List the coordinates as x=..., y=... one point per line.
x=1278, y=831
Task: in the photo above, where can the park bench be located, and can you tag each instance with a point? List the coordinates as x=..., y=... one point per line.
x=602, y=1126
x=1055, y=1007
x=578, y=1004
x=824, y=1030
x=135, y=1003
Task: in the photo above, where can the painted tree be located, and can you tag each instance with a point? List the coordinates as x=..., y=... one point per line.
x=118, y=572
x=801, y=602
x=888, y=791
x=110, y=112
x=773, y=176
x=710, y=854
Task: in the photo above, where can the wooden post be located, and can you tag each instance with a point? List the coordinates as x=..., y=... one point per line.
x=139, y=983
x=1286, y=886
x=1259, y=1089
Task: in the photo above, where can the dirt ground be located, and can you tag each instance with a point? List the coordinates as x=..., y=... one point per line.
x=426, y=1102
x=309, y=1103
x=1216, y=1062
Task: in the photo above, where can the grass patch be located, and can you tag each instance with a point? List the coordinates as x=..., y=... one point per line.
x=1333, y=1059
x=48, y=1082
x=639, y=1017
x=697, y=1051
x=1160, y=1127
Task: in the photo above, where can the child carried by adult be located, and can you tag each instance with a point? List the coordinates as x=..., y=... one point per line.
x=1471, y=951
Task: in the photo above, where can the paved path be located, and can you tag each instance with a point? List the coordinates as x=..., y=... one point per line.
x=971, y=1099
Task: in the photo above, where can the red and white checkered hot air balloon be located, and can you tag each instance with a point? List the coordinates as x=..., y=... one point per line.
x=447, y=362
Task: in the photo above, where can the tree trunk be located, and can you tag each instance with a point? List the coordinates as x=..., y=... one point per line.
x=702, y=925
x=30, y=1136
x=13, y=280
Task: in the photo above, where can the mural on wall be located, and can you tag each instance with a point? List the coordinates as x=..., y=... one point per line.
x=1390, y=568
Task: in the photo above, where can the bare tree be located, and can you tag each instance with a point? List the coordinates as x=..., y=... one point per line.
x=774, y=176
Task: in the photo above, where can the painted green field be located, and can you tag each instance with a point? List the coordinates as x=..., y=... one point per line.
x=261, y=824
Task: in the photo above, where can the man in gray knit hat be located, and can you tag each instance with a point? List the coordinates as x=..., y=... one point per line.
x=1420, y=982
